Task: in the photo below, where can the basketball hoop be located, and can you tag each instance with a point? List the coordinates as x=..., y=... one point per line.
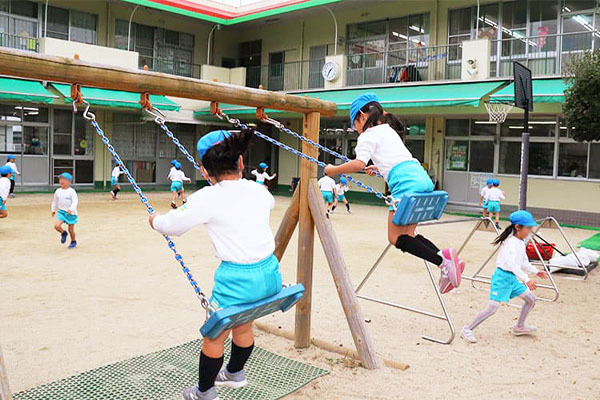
x=498, y=111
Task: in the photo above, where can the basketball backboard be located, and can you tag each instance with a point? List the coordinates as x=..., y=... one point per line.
x=523, y=87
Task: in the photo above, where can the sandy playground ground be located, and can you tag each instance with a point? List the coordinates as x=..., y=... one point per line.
x=120, y=294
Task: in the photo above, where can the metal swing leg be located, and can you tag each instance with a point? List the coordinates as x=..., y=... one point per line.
x=446, y=317
x=483, y=224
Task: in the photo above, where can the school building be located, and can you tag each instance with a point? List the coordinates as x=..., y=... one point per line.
x=432, y=62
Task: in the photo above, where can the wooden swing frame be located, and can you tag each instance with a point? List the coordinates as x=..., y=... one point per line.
x=306, y=210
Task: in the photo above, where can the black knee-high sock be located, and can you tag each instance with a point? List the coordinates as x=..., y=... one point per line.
x=428, y=242
x=333, y=207
x=348, y=206
x=414, y=246
x=208, y=369
x=115, y=191
x=239, y=356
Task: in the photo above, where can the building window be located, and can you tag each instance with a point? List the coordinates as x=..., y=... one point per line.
x=470, y=145
x=415, y=138
x=136, y=142
x=594, y=161
x=71, y=25
x=19, y=25
x=186, y=134
x=23, y=129
x=573, y=160
x=82, y=170
x=541, y=158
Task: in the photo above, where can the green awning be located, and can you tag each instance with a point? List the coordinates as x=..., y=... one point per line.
x=407, y=96
x=544, y=91
x=116, y=98
x=22, y=90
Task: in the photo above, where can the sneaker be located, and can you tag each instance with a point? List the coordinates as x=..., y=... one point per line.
x=193, y=393
x=232, y=380
x=444, y=284
x=63, y=237
x=349, y=212
x=525, y=330
x=450, y=266
x=468, y=335
x=11, y=196
x=173, y=205
x=114, y=197
x=498, y=226
x=73, y=244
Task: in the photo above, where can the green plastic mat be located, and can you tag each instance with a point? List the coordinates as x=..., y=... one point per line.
x=592, y=243
x=164, y=374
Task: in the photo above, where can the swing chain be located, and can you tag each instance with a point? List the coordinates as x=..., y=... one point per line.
x=389, y=200
x=204, y=300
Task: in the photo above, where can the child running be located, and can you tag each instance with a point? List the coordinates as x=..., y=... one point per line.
x=494, y=196
x=236, y=214
x=340, y=195
x=65, y=202
x=114, y=181
x=261, y=174
x=510, y=279
x=10, y=162
x=5, y=173
x=483, y=196
x=177, y=177
x=380, y=140
x=327, y=187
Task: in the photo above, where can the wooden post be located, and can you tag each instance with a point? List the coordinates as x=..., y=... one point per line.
x=288, y=225
x=343, y=284
x=306, y=232
x=5, y=393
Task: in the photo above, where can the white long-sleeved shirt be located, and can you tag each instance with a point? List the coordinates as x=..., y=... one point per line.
x=382, y=145
x=116, y=172
x=66, y=200
x=236, y=214
x=494, y=194
x=13, y=166
x=340, y=189
x=484, y=192
x=177, y=175
x=4, y=188
x=513, y=258
x=326, y=184
x=262, y=176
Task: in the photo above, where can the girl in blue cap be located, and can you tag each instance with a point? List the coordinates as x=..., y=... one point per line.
x=5, y=174
x=10, y=162
x=236, y=214
x=261, y=174
x=483, y=197
x=510, y=279
x=340, y=195
x=380, y=140
x=493, y=198
x=177, y=177
x=65, y=202
x=114, y=181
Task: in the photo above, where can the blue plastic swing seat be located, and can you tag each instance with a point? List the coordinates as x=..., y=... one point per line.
x=227, y=318
x=420, y=207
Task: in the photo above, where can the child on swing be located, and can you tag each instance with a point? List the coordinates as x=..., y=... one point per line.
x=510, y=279
x=380, y=140
x=236, y=214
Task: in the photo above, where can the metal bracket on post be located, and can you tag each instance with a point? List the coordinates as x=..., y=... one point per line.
x=445, y=317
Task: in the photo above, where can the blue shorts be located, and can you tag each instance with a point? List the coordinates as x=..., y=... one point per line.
x=327, y=196
x=505, y=286
x=493, y=206
x=407, y=178
x=341, y=197
x=260, y=182
x=176, y=186
x=67, y=218
x=114, y=181
x=484, y=204
x=2, y=205
x=237, y=284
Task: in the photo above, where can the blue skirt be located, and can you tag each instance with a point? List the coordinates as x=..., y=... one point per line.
x=505, y=286
x=407, y=178
x=67, y=218
x=237, y=284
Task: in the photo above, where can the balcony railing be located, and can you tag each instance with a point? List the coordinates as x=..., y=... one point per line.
x=405, y=65
x=171, y=66
x=295, y=75
x=543, y=54
x=19, y=42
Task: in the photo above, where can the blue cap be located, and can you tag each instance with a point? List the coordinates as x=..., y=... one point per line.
x=67, y=176
x=496, y=182
x=174, y=162
x=5, y=170
x=359, y=103
x=10, y=157
x=523, y=218
x=209, y=140
x=177, y=164
x=490, y=182
x=263, y=165
x=343, y=180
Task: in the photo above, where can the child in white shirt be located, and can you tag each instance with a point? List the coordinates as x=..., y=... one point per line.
x=65, y=202
x=483, y=196
x=327, y=187
x=114, y=181
x=510, y=279
x=10, y=162
x=493, y=198
x=236, y=214
x=177, y=177
x=261, y=174
x=340, y=194
x=5, y=174
x=380, y=140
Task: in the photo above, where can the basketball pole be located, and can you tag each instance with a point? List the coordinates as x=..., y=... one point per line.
x=524, y=160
